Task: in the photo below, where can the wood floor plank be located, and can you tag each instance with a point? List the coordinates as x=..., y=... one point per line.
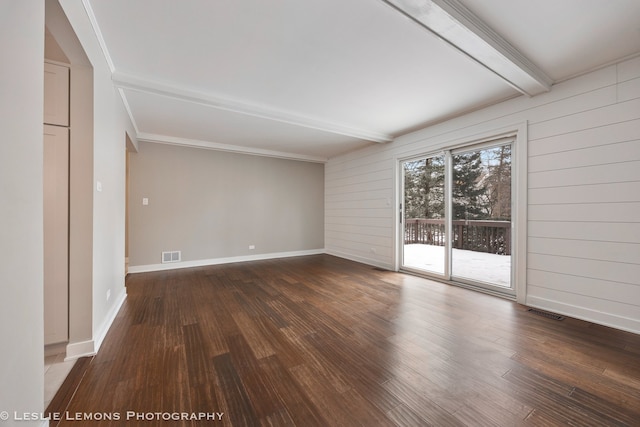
x=288, y=310
x=199, y=370
x=67, y=390
x=613, y=388
x=260, y=391
x=287, y=350
x=421, y=404
x=614, y=414
x=176, y=391
x=237, y=403
x=323, y=341
x=554, y=398
x=299, y=407
x=251, y=331
x=402, y=415
x=333, y=404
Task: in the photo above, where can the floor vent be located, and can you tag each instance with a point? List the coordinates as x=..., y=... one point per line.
x=173, y=256
x=545, y=314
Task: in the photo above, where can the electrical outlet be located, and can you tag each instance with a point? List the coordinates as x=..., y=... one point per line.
x=252, y=247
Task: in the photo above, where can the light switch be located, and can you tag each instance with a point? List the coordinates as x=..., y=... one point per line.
x=99, y=186
x=145, y=201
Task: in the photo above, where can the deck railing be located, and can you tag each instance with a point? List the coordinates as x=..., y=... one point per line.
x=474, y=235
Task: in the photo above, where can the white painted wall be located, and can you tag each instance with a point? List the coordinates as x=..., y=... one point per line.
x=21, y=245
x=81, y=178
x=583, y=199
x=110, y=125
x=212, y=205
x=81, y=205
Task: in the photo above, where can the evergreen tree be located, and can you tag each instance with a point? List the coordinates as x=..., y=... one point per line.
x=424, y=188
x=467, y=189
x=498, y=183
x=411, y=188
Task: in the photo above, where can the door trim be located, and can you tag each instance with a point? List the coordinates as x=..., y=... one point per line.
x=519, y=194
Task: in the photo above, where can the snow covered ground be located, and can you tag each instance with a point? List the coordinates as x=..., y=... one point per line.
x=480, y=266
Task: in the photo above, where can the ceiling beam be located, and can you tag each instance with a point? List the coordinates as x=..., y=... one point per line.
x=194, y=143
x=129, y=82
x=451, y=21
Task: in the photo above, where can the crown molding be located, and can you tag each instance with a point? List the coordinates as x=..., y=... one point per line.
x=194, y=143
x=96, y=30
x=451, y=21
x=140, y=84
x=125, y=81
x=127, y=107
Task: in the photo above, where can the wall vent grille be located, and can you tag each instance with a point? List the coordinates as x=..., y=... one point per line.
x=171, y=256
x=546, y=314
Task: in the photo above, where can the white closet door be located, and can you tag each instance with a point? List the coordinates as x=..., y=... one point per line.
x=56, y=234
x=56, y=94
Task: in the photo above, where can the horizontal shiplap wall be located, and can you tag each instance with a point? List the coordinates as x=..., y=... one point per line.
x=358, y=214
x=584, y=208
x=583, y=199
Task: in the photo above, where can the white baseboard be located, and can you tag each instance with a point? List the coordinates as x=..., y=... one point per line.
x=99, y=335
x=216, y=261
x=53, y=349
x=90, y=348
x=80, y=349
x=363, y=260
x=593, y=316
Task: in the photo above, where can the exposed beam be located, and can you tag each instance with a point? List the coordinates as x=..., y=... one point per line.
x=163, y=139
x=125, y=81
x=453, y=22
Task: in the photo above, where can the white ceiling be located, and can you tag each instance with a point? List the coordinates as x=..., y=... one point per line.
x=314, y=79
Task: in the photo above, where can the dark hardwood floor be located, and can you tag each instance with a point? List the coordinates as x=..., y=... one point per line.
x=322, y=341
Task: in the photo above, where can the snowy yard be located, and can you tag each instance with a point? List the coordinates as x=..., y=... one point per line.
x=479, y=266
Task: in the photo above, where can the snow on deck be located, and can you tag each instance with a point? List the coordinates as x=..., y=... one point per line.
x=479, y=266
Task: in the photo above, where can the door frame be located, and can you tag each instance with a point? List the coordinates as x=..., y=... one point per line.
x=402, y=222
x=499, y=142
x=444, y=143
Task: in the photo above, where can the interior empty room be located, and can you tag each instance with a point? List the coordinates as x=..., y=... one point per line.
x=380, y=212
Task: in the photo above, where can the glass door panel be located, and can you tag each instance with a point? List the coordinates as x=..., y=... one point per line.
x=481, y=216
x=423, y=214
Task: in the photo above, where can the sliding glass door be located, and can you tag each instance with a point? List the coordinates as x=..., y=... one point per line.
x=481, y=216
x=424, y=220
x=457, y=215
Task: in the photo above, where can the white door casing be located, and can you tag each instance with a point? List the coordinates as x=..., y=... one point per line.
x=56, y=233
